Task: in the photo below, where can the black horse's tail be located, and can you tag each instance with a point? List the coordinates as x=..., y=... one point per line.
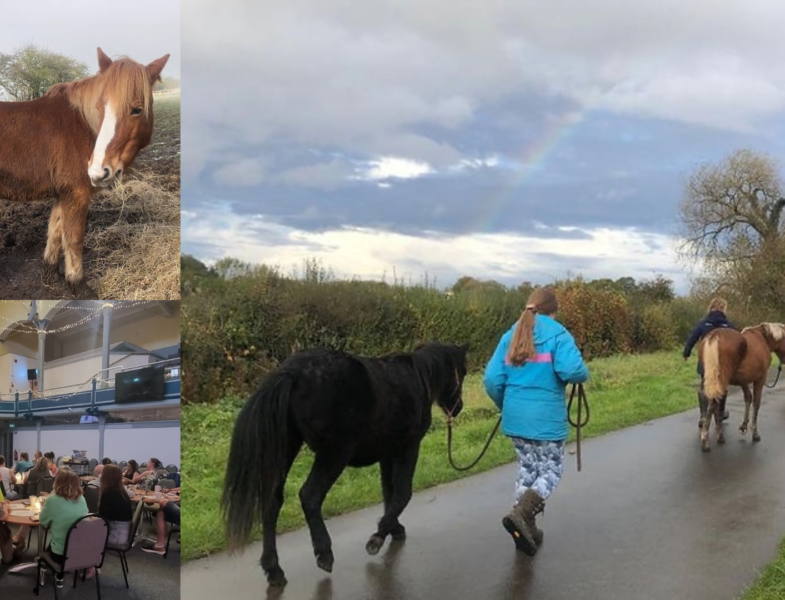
x=257, y=459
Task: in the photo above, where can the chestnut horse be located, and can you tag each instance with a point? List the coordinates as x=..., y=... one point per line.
x=76, y=139
x=742, y=359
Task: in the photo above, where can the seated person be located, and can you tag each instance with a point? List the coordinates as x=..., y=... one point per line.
x=115, y=505
x=40, y=470
x=23, y=464
x=169, y=512
x=97, y=472
x=8, y=479
x=7, y=551
x=149, y=477
x=63, y=507
x=106, y=461
x=50, y=456
x=130, y=471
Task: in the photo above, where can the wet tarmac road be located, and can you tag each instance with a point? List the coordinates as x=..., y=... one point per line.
x=649, y=517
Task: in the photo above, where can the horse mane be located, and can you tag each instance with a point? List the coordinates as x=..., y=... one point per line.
x=125, y=80
x=429, y=362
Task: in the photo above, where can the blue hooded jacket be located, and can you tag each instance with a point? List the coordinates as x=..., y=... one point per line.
x=531, y=396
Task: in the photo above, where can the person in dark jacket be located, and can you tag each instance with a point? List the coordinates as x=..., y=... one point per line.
x=714, y=319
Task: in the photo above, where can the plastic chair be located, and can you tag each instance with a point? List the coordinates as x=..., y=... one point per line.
x=85, y=546
x=45, y=484
x=122, y=465
x=166, y=483
x=91, y=495
x=162, y=473
x=121, y=550
x=92, y=464
x=171, y=468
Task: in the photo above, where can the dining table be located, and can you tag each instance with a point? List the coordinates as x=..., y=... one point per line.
x=25, y=512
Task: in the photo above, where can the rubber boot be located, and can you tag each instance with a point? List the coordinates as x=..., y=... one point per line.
x=521, y=525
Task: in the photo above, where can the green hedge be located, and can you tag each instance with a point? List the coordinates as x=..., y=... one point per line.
x=236, y=330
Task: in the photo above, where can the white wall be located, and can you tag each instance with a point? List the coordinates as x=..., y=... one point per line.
x=74, y=373
x=13, y=373
x=64, y=441
x=121, y=442
x=25, y=440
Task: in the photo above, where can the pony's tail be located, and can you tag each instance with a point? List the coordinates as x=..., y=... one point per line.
x=712, y=382
x=257, y=458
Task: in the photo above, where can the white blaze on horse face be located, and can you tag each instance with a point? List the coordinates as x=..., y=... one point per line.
x=96, y=168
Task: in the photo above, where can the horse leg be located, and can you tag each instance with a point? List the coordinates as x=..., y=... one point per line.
x=74, y=219
x=54, y=245
x=757, y=390
x=324, y=473
x=747, y=402
x=397, y=531
x=706, y=424
x=269, y=560
x=402, y=473
x=719, y=418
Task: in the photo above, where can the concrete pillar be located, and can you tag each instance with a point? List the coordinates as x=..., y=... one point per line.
x=41, y=347
x=101, y=425
x=107, y=334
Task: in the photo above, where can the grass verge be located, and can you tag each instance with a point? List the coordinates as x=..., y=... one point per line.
x=623, y=391
x=771, y=585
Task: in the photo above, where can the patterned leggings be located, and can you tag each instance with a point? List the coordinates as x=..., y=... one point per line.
x=540, y=466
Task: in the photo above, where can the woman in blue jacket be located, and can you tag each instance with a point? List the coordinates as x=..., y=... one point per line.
x=526, y=378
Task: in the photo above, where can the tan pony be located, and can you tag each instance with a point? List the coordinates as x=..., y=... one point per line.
x=742, y=359
x=75, y=140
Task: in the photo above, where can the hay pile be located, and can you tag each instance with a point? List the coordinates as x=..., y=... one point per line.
x=133, y=234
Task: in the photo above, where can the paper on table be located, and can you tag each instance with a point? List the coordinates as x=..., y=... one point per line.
x=22, y=513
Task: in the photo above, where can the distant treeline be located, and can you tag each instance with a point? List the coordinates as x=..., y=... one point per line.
x=241, y=320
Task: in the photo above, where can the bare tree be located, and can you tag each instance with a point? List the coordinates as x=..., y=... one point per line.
x=30, y=71
x=733, y=221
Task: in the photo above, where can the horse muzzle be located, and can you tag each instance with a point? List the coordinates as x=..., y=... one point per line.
x=104, y=177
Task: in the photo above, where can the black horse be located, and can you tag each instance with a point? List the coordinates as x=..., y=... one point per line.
x=351, y=411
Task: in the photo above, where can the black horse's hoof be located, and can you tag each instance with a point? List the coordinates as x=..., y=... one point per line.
x=325, y=561
x=374, y=544
x=705, y=448
x=398, y=532
x=755, y=437
x=275, y=577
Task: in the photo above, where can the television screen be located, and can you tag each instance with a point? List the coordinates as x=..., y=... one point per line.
x=32, y=374
x=140, y=385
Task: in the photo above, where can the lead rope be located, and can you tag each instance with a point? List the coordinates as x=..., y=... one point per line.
x=776, y=379
x=580, y=422
x=484, y=450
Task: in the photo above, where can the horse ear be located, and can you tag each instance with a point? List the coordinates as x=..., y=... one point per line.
x=154, y=68
x=104, y=62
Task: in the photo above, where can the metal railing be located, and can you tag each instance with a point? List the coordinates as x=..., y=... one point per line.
x=91, y=392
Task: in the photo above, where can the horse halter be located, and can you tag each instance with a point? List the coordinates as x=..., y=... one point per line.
x=456, y=396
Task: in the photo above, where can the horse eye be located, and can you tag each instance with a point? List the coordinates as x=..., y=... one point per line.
x=136, y=111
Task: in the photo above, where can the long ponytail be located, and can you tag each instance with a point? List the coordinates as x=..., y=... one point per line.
x=521, y=346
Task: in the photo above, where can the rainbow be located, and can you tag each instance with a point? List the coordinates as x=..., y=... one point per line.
x=491, y=212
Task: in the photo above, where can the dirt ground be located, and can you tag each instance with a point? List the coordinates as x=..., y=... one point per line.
x=117, y=222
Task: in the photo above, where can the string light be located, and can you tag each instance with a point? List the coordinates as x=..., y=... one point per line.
x=18, y=326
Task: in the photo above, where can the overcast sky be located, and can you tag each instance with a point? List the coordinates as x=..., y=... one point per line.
x=143, y=30
x=510, y=140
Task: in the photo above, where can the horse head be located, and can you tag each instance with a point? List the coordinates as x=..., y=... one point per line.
x=446, y=372
x=123, y=96
x=774, y=333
